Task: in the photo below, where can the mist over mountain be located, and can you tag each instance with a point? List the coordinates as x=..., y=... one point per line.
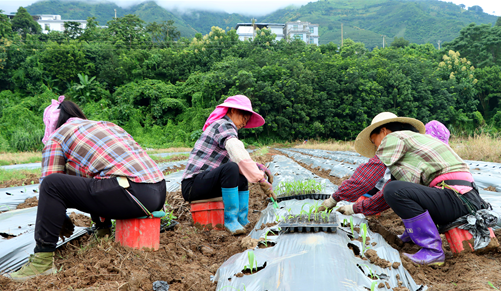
x=363, y=20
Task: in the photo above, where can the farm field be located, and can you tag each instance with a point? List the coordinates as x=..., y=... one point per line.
x=189, y=256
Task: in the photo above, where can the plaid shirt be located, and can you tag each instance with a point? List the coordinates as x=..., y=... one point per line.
x=99, y=150
x=418, y=158
x=362, y=181
x=210, y=151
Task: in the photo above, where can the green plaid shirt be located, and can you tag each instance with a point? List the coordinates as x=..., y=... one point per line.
x=418, y=158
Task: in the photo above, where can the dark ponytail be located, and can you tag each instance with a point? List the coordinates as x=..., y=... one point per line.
x=68, y=110
x=394, y=126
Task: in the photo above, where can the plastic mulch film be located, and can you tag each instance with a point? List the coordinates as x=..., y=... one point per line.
x=163, y=155
x=311, y=261
x=30, y=166
x=289, y=171
x=172, y=165
x=11, y=197
x=340, y=156
x=337, y=169
x=17, y=239
x=174, y=181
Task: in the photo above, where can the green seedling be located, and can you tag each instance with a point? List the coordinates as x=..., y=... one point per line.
x=345, y=222
x=490, y=284
x=371, y=273
x=351, y=226
x=299, y=187
x=364, y=236
x=252, y=261
x=266, y=237
x=373, y=285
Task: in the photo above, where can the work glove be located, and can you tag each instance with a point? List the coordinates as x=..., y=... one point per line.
x=327, y=204
x=267, y=189
x=67, y=229
x=346, y=210
x=266, y=172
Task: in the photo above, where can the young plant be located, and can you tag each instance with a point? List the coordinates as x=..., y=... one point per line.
x=371, y=273
x=252, y=261
x=490, y=284
x=364, y=236
x=373, y=285
x=351, y=226
x=266, y=237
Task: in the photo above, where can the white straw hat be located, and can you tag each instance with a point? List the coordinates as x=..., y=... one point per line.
x=363, y=144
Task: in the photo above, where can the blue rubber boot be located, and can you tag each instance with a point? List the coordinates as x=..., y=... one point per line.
x=243, y=207
x=230, y=200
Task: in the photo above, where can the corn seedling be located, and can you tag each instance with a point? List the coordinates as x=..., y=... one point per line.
x=266, y=237
x=490, y=284
x=364, y=236
x=351, y=226
x=373, y=285
x=371, y=273
x=299, y=188
x=252, y=261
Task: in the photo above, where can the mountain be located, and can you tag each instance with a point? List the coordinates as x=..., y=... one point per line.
x=363, y=20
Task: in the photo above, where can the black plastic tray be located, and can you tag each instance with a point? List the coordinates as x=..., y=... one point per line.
x=293, y=228
x=304, y=196
x=164, y=227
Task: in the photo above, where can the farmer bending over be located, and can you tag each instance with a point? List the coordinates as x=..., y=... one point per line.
x=365, y=186
x=219, y=165
x=95, y=167
x=434, y=184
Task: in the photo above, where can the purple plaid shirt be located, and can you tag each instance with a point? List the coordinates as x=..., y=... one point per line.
x=209, y=151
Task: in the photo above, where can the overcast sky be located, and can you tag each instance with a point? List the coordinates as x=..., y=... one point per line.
x=255, y=7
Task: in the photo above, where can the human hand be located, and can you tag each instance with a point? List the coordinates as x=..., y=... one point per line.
x=67, y=228
x=267, y=189
x=327, y=204
x=346, y=210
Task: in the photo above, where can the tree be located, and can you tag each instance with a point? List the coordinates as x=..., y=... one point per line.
x=399, y=42
x=92, y=32
x=5, y=26
x=476, y=8
x=163, y=32
x=72, y=29
x=24, y=24
x=462, y=6
x=128, y=29
x=498, y=22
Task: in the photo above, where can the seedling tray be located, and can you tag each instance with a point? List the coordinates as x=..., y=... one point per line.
x=301, y=223
x=303, y=197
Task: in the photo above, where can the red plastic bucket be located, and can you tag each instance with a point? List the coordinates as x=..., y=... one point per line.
x=208, y=212
x=138, y=233
x=459, y=240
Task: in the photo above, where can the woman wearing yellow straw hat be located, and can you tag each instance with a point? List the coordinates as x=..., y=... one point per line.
x=434, y=184
x=219, y=165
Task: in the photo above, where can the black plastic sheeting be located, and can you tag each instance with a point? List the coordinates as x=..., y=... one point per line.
x=17, y=237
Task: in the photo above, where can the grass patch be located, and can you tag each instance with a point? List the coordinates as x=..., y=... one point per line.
x=172, y=158
x=169, y=150
x=330, y=145
x=20, y=158
x=481, y=147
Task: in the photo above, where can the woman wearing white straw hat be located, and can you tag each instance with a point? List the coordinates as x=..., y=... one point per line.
x=434, y=184
x=219, y=165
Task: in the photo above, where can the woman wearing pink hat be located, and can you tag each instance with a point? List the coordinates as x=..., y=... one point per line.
x=219, y=165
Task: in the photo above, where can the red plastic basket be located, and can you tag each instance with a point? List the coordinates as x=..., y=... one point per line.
x=459, y=239
x=208, y=212
x=138, y=233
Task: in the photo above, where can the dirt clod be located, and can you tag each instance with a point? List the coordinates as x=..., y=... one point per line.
x=29, y=202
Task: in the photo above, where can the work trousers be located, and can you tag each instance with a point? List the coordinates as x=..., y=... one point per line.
x=101, y=198
x=410, y=200
x=208, y=184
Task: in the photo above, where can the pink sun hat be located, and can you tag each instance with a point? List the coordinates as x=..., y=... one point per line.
x=238, y=102
x=438, y=130
x=50, y=117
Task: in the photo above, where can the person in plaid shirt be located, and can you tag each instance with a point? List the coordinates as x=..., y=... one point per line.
x=95, y=167
x=433, y=184
x=219, y=165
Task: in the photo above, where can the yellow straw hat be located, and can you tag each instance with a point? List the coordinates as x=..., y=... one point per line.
x=363, y=144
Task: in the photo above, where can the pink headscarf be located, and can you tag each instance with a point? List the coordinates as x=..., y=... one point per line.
x=438, y=131
x=238, y=102
x=50, y=116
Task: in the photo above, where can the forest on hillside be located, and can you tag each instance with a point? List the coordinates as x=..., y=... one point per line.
x=134, y=74
x=365, y=21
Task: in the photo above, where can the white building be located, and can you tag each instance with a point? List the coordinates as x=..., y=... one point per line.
x=54, y=23
x=304, y=31
x=245, y=31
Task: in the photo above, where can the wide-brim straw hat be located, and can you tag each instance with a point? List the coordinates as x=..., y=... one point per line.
x=363, y=144
x=243, y=103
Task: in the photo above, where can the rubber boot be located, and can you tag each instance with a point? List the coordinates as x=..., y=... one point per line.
x=423, y=232
x=243, y=207
x=405, y=237
x=38, y=264
x=230, y=200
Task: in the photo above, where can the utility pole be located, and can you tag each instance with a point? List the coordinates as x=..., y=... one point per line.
x=115, y=13
x=439, y=41
x=342, y=34
x=383, y=40
x=253, y=27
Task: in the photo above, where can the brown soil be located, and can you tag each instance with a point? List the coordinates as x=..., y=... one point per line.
x=167, y=159
x=30, y=179
x=187, y=257
x=29, y=202
x=490, y=188
x=173, y=170
x=80, y=220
